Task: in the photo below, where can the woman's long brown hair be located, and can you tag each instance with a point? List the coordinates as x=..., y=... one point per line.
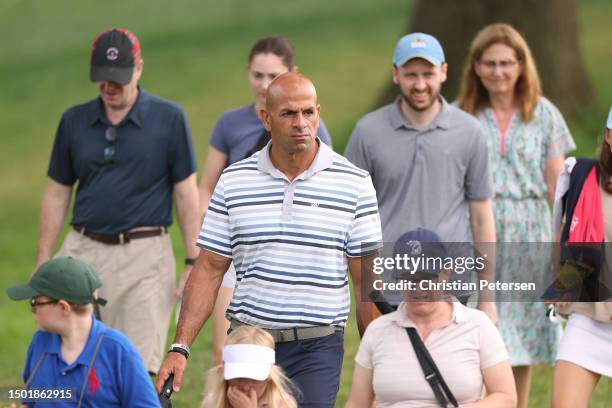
x=474, y=97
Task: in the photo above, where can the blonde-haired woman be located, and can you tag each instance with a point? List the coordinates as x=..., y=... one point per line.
x=248, y=377
x=528, y=139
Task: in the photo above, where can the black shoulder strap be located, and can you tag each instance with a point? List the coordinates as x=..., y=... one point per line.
x=432, y=374
x=580, y=172
x=590, y=254
x=90, y=367
x=261, y=142
x=35, y=369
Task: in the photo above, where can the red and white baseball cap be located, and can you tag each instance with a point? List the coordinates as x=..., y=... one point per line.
x=114, y=55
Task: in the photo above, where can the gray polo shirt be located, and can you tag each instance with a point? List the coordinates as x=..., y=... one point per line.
x=423, y=177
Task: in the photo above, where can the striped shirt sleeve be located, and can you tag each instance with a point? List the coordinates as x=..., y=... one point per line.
x=215, y=234
x=365, y=235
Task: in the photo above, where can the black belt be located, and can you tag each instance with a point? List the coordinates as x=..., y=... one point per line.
x=122, y=238
x=296, y=333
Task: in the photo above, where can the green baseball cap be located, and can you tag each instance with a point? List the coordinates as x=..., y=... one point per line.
x=60, y=278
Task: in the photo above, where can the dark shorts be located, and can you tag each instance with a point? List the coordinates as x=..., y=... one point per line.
x=314, y=367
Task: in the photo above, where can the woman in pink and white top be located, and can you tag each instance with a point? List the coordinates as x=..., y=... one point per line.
x=528, y=140
x=463, y=343
x=583, y=215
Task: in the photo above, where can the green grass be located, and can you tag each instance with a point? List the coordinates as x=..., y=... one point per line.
x=195, y=54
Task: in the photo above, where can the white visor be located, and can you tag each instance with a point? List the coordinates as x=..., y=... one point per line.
x=247, y=361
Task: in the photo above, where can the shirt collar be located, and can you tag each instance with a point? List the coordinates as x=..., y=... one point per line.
x=54, y=344
x=95, y=332
x=402, y=319
x=323, y=160
x=136, y=115
x=398, y=120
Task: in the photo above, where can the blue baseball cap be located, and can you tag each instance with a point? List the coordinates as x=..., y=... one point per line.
x=609, y=123
x=418, y=45
x=425, y=244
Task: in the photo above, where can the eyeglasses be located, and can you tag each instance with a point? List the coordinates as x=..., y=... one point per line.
x=34, y=303
x=504, y=65
x=111, y=137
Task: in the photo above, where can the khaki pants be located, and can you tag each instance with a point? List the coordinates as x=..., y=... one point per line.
x=138, y=281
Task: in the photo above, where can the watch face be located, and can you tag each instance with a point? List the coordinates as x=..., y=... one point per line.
x=181, y=351
x=180, y=348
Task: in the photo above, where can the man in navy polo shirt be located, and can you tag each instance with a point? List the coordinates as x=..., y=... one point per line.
x=129, y=153
x=74, y=359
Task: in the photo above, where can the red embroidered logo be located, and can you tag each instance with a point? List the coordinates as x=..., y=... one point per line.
x=94, y=383
x=112, y=54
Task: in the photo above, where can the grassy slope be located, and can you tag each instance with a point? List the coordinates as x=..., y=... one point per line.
x=195, y=54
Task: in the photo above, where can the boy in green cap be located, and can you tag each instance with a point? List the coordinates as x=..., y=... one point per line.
x=74, y=359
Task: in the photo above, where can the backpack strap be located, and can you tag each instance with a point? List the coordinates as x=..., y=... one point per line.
x=263, y=140
x=35, y=369
x=590, y=255
x=577, y=178
x=90, y=367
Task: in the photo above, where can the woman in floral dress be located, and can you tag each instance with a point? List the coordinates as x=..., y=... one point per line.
x=528, y=139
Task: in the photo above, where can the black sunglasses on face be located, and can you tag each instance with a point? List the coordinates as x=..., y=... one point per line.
x=34, y=303
x=111, y=137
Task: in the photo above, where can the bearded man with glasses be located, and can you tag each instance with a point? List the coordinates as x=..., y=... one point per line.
x=129, y=153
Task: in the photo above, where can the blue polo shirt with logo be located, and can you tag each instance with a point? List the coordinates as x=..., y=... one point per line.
x=118, y=377
x=132, y=188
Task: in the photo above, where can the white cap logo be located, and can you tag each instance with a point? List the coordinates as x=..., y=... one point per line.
x=112, y=54
x=418, y=43
x=414, y=247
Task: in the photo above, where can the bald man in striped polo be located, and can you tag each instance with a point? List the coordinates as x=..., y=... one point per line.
x=292, y=217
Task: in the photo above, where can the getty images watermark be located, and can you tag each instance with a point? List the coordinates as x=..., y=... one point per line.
x=503, y=271
x=420, y=272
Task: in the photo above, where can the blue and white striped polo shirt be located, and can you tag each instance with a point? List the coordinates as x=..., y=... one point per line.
x=289, y=241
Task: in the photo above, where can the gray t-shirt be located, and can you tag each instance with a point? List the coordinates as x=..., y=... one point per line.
x=423, y=177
